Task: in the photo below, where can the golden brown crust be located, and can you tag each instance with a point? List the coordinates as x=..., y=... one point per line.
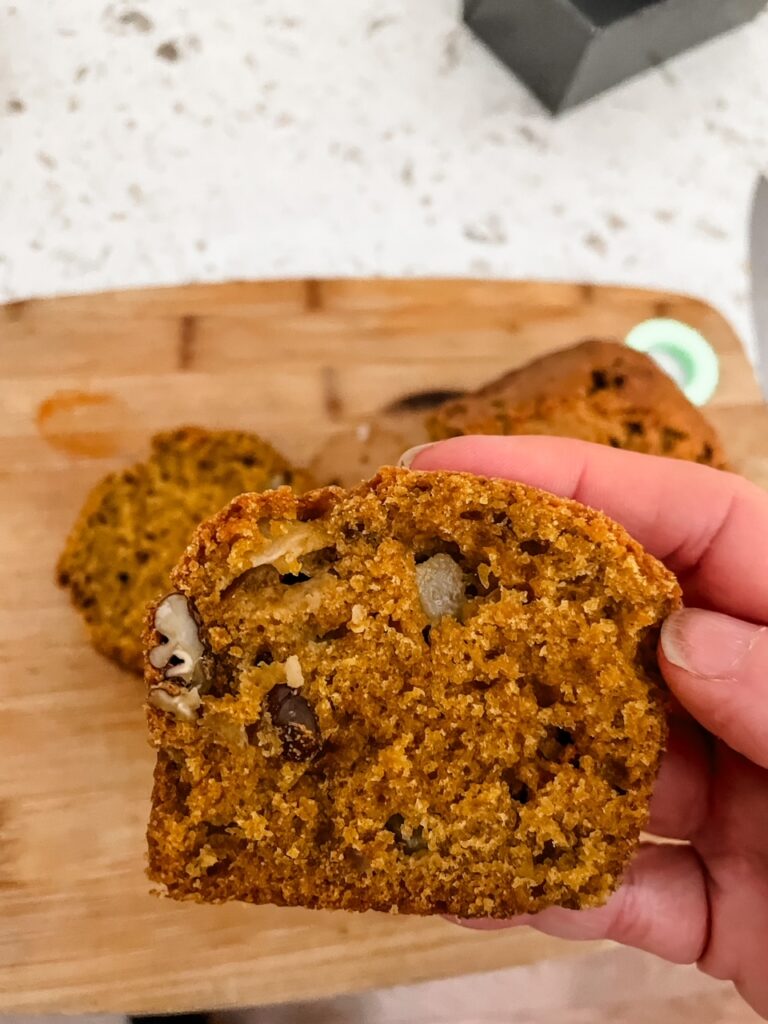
x=598, y=391
x=371, y=736
x=135, y=524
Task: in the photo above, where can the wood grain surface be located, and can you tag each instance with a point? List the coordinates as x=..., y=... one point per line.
x=84, y=383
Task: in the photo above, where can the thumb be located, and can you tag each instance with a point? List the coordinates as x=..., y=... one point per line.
x=717, y=667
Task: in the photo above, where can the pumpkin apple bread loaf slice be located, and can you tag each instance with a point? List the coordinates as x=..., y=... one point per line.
x=598, y=391
x=135, y=524
x=431, y=693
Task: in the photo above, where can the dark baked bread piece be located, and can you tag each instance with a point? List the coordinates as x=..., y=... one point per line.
x=356, y=451
x=597, y=391
x=136, y=523
x=432, y=693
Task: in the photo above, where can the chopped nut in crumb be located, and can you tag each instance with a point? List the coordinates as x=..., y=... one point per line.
x=294, y=677
x=441, y=586
x=181, y=652
x=286, y=551
x=183, y=705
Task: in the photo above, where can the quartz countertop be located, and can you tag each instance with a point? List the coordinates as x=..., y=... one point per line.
x=157, y=143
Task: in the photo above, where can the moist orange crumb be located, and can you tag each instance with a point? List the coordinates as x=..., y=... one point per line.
x=433, y=693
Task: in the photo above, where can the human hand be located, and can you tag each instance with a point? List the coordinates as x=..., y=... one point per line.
x=705, y=901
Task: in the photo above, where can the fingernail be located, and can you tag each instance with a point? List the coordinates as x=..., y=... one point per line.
x=408, y=456
x=707, y=644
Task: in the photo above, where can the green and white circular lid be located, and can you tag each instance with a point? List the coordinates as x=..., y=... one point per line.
x=682, y=352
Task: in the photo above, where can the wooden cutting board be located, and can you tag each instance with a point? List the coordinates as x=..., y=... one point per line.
x=85, y=381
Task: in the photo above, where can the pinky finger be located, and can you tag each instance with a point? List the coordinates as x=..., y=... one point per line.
x=661, y=907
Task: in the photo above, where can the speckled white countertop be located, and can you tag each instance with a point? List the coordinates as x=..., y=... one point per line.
x=160, y=142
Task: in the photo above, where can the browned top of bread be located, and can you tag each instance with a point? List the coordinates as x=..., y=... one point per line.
x=431, y=693
x=598, y=391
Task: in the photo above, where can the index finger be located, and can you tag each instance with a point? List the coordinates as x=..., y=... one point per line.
x=708, y=526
